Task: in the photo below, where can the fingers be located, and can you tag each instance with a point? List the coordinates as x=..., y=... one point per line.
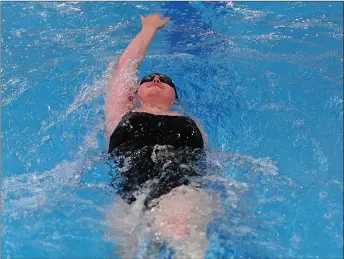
x=167, y=19
x=155, y=20
x=157, y=15
x=153, y=14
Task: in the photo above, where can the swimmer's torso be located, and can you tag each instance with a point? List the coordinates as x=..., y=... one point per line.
x=147, y=145
x=139, y=129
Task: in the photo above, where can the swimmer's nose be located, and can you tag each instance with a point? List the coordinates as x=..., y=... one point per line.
x=156, y=79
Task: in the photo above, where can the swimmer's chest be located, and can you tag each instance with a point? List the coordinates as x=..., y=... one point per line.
x=145, y=129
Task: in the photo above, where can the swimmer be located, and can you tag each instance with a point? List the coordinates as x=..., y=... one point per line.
x=157, y=149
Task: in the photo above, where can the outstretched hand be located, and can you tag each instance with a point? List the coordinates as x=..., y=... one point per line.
x=154, y=21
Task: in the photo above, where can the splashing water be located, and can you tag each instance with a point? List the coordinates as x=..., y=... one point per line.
x=265, y=80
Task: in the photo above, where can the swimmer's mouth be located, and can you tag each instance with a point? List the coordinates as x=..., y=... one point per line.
x=161, y=87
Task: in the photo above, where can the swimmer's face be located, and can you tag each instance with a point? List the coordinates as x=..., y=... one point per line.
x=156, y=91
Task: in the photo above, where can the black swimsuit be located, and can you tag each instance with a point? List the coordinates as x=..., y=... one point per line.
x=161, y=150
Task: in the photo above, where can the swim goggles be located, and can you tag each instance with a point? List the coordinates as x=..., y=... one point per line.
x=163, y=79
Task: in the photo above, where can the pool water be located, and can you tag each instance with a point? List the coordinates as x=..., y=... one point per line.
x=265, y=79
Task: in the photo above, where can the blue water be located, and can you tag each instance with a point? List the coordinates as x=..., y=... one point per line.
x=264, y=78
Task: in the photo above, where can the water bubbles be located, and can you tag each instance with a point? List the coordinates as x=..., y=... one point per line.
x=323, y=195
x=45, y=138
x=335, y=101
x=230, y=4
x=298, y=123
x=56, y=235
x=319, y=156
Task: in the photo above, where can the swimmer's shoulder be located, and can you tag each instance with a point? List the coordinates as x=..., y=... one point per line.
x=168, y=113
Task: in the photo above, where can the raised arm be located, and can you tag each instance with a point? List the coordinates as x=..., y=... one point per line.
x=120, y=93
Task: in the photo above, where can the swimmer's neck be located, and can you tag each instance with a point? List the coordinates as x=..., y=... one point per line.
x=154, y=108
